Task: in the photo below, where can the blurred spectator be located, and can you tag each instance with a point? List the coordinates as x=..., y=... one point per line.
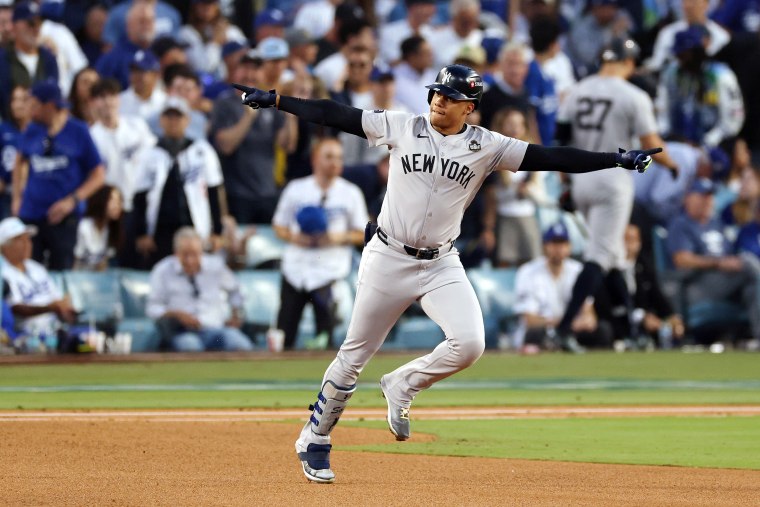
x=317, y=17
x=332, y=70
x=384, y=89
x=6, y=23
x=748, y=237
x=167, y=20
x=462, y=30
x=473, y=57
x=299, y=160
x=57, y=168
x=205, y=33
x=274, y=53
x=26, y=60
x=376, y=202
x=143, y=98
x=744, y=208
x=99, y=234
x=232, y=52
x=36, y=301
x=738, y=16
x=321, y=217
x=699, y=100
x=539, y=84
x=80, y=97
x=346, y=14
x=694, y=13
x=413, y=73
x=268, y=23
x=169, y=51
x=698, y=245
x=508, y=89
x=195, y=299
x=245, y=139
x=543, y=288
x=181, y=81
x=523, y=13
x=180, y=185
x=91, y=36
x=141, y=30
x=11, y=130
x=121, y=140
x=69, y=56
x=653, y=315
x=512, y=200
x=303, y=51
x=604, y=22
x=418, y=14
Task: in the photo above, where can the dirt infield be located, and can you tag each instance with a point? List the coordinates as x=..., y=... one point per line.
x=224, y=457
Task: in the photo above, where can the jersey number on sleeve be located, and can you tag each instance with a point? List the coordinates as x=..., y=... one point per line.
x=592, y=113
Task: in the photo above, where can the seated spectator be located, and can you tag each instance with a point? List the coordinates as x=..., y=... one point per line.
x=141, y=30
x=195, y=299
x=6, y=22
x=91, y=35
x=418, y=15
x=80, y=97
x=508, y=89
x=100, y=231
x=25, y=60
x=652, y=313
x=604, y=22
x=543, y=288
x=169, y=51
x=57, y=168
x=180, y=185
x=268, y=23
x=59, y=39
x=462, y=30
x=413, y=73
x=698, y=245
x=355, y=33
x=36, y=301
x=321, y=217
x=744, y=208
x=143, y=98
x=699, y=99
x=10, y=134
x=538, y=83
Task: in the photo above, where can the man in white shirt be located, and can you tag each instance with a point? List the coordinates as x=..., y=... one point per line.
x=321, y=217
x=196, y=299
x=35, y=299
x=414, y=70
x=418, y=14
x=144, y=97
x=461, y=31
x=544, y=286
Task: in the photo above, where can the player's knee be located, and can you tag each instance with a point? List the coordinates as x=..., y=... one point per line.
x=470, y=346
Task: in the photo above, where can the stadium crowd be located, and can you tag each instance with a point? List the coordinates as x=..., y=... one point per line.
x=120, y=128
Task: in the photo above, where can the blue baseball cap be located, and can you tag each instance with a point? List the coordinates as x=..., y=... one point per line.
x=25, y=11
x=702, y=186
x=381, y=73
x=145, y=61
x=48, y=91
x=556, y=233
x=691, y=38
x=269, y=17
x=273, y=48
x=231, y=47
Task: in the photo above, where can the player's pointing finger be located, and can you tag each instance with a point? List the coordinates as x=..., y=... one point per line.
x=652, y=151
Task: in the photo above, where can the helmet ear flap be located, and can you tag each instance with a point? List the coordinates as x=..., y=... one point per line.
x=430, y=96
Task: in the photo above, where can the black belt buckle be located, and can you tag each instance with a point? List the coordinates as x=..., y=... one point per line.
x=427, y=254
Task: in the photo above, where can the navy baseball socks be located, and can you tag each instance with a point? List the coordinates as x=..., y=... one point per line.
x=313, y=445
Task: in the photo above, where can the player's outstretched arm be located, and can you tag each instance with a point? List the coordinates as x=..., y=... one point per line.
x=323, y=112
x=573, y=160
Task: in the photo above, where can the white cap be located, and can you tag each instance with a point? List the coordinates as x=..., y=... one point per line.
x=177, y=104
x=13, y=227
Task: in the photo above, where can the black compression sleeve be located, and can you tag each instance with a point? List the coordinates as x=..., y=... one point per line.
x=325, y=112
x=566, y=160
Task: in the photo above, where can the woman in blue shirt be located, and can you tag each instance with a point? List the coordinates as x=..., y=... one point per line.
x=10, y=132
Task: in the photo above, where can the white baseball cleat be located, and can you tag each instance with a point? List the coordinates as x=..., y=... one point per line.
x=398, y=416
x=315, y=461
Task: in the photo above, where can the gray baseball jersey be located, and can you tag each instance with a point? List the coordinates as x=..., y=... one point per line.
x=432, y=177
x=606, y=113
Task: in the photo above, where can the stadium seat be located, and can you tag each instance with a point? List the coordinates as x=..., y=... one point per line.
x=343, y=293
x=145, y=336
x=135, y=286
x=264, y=249
x=261, y=301
x=95, y=294
x=495, y=291
x=416, y=332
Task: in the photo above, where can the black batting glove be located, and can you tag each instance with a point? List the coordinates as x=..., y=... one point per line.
x=255, y=98
x=635, y=159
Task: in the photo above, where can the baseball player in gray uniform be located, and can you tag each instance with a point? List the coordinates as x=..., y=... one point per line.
x=437, y=164
x=603, y=112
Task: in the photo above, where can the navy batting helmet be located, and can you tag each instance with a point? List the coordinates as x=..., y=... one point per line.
x=459, y=83
x=618, y=50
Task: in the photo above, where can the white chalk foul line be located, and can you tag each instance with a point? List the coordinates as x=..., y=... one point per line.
x=469, y=413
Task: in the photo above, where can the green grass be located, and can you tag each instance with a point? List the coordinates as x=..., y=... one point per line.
x=545, y=379
x=716, y=442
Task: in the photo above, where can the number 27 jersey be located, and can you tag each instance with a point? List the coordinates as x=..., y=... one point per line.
x=607, y=113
